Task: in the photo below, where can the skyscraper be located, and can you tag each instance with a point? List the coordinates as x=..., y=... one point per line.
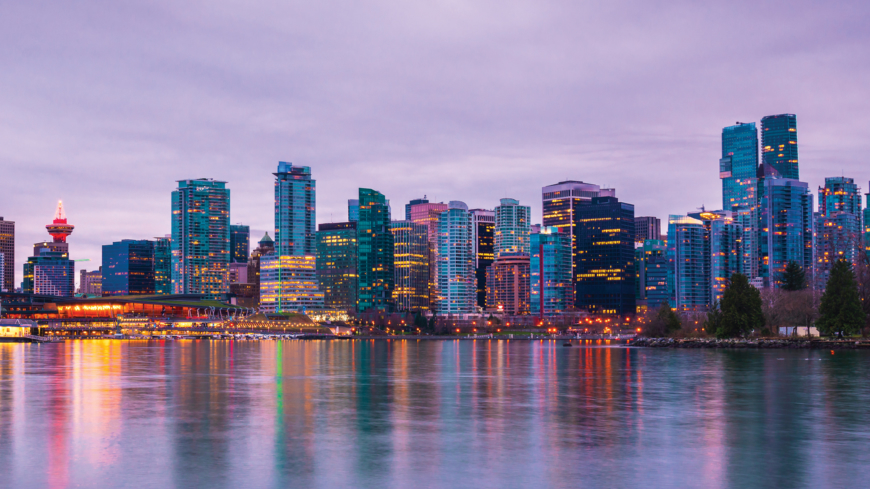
x=413, y=202
x=689, y=264
x=200, y=237
x=456, y=281
x=376, y=272
x=483, y=248
x=163, y=265
x=651, y=265
x=240, y=239
x=411, y=262
x=512, y=222
x=508, y=283
x=353, y=210
x=647, y=227
x=786, y=227
x=780, y=146
x=725, y=250
x=337, y=262
x=428, y=214
x=738, y=167
x=128, y=268
x=265, y=247
x=294, y=210
x=7, y=247
x=49, y=273
x=840, y=194
x=550, y=273
x=289, y=284
x=605, y=256
x=838, y=232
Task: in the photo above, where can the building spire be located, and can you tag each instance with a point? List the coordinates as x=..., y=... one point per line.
x=59, y=229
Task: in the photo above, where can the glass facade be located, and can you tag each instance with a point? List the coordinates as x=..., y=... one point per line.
x=7, y=247
x=550, y=273
x=840, y=194
x=779, y=146
x=411, y=262
x=738, y=167
x=240, y=243
x=200, y=237
x=647, y=227
x=837, y=237
x=785, y=227
x=376, y=267
x=163, y=265
x=289, y=284
x=512, y=223
x=294, y=210
x=337, y=262
x=128, y=268
x=507, y=284
x=483, y=243
x=651, y=265
x=726, y=251
x=353, y=210
x=688, y=264
x=429, y=214
x=413, y=202
x=49, y=273
x=456, y=281
x=605, y=256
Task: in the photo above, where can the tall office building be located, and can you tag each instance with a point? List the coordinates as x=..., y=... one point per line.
x=414, y=202
x=7, y=247
x=128, y=268
x=512, y=223
x=779, y=146
x=49, y=273
x=605, y=256
x=337, y=262
x=483, y=248
x=428, y=214
x=91, y=283
x=738, y=167
x=551, y=292
x=353, y=210
x=647, y=227
x=200, y=237
x=163, y=265
x=240, y=243
x=688, y=263
x=289, y=284
x=294, y=210
x=785, y=227
x=456, y=281
x=651, y=270
x=375, y=240
x=411, y=262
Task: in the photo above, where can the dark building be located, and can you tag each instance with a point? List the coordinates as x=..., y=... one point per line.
x=647, y=227
x=605, y=278
x=424, y=200
x=128, y=268
x=265, y=247
x=411, y=263
x=49, y=273
x=163, y=265
x=779, y=146
x=240, y=243
x=7, y=248
x=375, y=239
x=337, y=259
x=483, y=248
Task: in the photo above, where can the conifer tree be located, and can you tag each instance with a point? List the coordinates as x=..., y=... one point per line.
x=840, y=311
x=794, y=277
x=740, y=309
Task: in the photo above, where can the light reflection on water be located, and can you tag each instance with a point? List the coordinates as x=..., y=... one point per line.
x=428, y=414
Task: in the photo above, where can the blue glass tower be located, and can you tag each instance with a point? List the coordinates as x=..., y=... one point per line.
x=457, y=286
x=785, y=227
x=128, y=268
x=49, y=273
x=651, y=263
x=551, y=272
x=780, y=146
x=240, y=243
x=688, y=263
x=739, y=165
x=375, y=251
x=294, y=211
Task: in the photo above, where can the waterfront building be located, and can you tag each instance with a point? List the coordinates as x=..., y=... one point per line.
x=550, y=290
x=456, y=283
x=91, y=283
x=837, y=237
x=428, y=214
x=289, y=284
x=49, y=273
x=508, y=281
x=353, y=210
x=7, y=247
x=265, y=247
x=337, y=262
x=605, y=256
x=725, y=249
x=294, y=210
x=483, y=248
x=779, y=146
x=688, y=264
x=375, y=241
x=651, y=265
x=411, y=263
x=647, y=227
x=163, y=265
x=512, y=223
x=240, y=243
x=414, y=202
x=128, y=268
x=785, y=228
x=738, y=167
x=200, y=237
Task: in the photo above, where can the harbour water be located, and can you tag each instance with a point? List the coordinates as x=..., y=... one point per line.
x=393, y=413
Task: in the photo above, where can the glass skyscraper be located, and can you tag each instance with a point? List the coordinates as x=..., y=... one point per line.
x=376, y=266
x=483, y=244
x=456, y=281
x=200, y=237
x=651, y=265
x=411, y=262
x=163, y=265
x=738, y=167
x=726, y=250
x=337, y=263
x=49, y=273
x=294, y=210
x=128, y=268
x=780, y=146
x=240, y=243
x=428, y=214
x=289, y=284
x=550, y=273
x=840, y=194
x=838, y=232
x=7, y=247
x=688, y=263
x=512, y=228
x=785, y=228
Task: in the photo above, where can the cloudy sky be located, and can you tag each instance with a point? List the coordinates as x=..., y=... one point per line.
x=105, y=104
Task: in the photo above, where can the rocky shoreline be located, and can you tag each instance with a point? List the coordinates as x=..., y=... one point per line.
x=754, y=343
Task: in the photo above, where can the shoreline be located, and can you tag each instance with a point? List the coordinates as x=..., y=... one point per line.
x=757, y=344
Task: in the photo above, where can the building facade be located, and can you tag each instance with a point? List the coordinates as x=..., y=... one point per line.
x=414, y=202
x=128, y=268
x=294, y=210
x=688, y=264
x=651, y=265
x=240, y=243
x=785, y=229
x=265, y=247
x=550, y=291
x=375, y=241
x=483, y=248
x=508, y=284
x=337, y=262
x=49, y=273
x=163, y=265
x=411, y=263
x=429, y=214
x=738, y=167
x=512, y=228
x=779, y=146
x=7, y=247
x=647, y=227
x=456, y=281
x=200, y=237
x=91, y=283
x=289, y=284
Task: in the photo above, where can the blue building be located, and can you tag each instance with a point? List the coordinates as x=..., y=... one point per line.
x=294, y=211
x=726, y=251
x=688, y=264
x=779, y=146
x=49, y=273
x=785, y=227
x=551, y=272
x=163, y=265
x=376, y=270
x=457, y=287
x=738, y=166
x=128, y=268
x=353, y=210
x=240, y=243
x=651, y=265
x=838, y=230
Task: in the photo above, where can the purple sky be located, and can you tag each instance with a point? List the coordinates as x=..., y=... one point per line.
x=106, y=104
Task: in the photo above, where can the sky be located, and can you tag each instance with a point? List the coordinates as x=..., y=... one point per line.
x=106, y=104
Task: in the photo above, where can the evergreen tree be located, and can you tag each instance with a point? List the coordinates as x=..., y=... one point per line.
x=664, y=323
x=740, y=309
x=420, y=321
x=840, y=311
x=714, y=319
x=794, y=277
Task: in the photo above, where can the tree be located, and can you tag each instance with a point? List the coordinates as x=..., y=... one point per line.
x=664, y=323
x=740, y=309
x=714, y=319
x=862, y=277
x=840, y=311
x=420, y=321
x=794, y=278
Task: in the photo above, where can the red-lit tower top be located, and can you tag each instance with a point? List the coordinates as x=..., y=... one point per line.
x=59, y=229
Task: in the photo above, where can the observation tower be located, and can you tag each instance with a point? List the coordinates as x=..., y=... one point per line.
x=59, y=229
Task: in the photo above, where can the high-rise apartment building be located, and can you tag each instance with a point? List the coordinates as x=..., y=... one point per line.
x=647, y=227
x=289, y=284
x=240, y=243
x=7, y=247
x=840, y=194
x=456, y=281
x=483, y=248
x=337, y=261
x=785, y=228
x=738, y=167
x=428, y=214
x=128, y=268
x=689, y=263
x=550, y=275
x=725, y=249
x=200, y=237
x=411, y=263
x=163, y=265
x=508, y=283
x=838, y=231
x=294, y=210
x=91, y=283
x=512, y=222
x=605, y=256
x=375, y=241
x=779, y=146
x=651, y=270
x=49, y=273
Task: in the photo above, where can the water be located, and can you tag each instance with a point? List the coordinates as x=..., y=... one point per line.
x=428, y=414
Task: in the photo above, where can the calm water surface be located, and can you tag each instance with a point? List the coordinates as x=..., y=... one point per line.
x=428, y=414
